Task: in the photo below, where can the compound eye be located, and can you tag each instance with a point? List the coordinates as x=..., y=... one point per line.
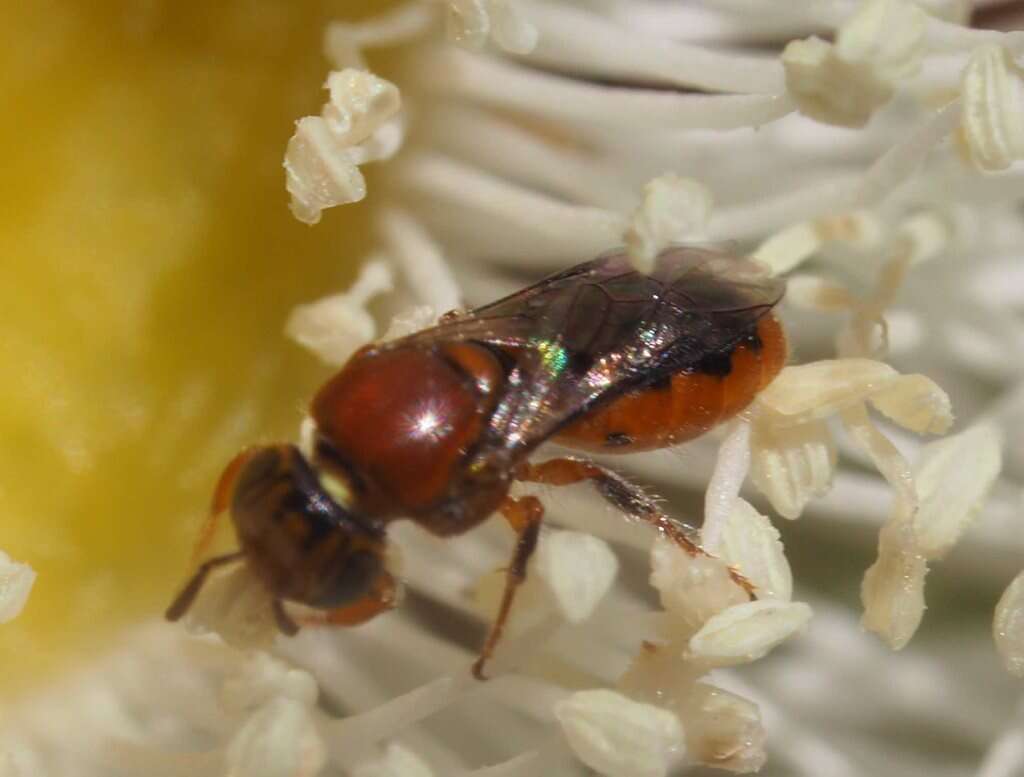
x=384, y=594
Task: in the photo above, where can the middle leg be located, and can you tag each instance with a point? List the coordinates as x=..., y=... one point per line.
x=525, y=515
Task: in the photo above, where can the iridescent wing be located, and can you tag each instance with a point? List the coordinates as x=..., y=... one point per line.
x=587, y=335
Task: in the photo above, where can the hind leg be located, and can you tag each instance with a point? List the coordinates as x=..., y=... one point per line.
x=626, y=497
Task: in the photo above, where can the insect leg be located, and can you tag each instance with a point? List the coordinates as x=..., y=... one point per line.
x=525, y=515
x=221, y=502
x=184, y=600
x=624, y=496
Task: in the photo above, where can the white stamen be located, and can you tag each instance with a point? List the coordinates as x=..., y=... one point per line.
x=397, y=761
x=262, y=678
x=819, y=389
x=541, y=227
x=410, y=321
x=993, y=108
x=748, y=631
x=886, y=457
x=318, y=175
x=839, y=193
x=468, y=22
x=352, y=738
x=692, y=589
x=817, y=294
x=511, y=29
x=723, y=730
x=845, y=83
x=915, y=402
x=731, y=468
x=359, y=104
x=344, y=42
x=472, y=22
x=751, y=545
x=893, y=588
x=471, y=76
x=788, y=249
x=1008, y=627
x=335, y=327
x=953, y=476
x=887, y=35
x=529, y=156
x=578, y=569
x=421, y=260
x=586, y=43
x=792, y=464
x=279, y=740
x=1005, y=756
x=955, y=11
x=927, y=234
x=16, y=582
x=358, y=124
x=618, y=737
x=673, y=210
x=237, y=607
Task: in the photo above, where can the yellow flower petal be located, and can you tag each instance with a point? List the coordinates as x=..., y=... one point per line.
x=147, y=234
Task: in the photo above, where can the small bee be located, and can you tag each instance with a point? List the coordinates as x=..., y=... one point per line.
x=435, y=427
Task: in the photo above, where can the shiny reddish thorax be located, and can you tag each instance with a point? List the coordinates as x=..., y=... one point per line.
x=403, y=420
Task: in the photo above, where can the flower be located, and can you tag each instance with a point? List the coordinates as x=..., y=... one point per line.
x=869, y=218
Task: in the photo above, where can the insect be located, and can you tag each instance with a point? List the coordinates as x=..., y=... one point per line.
x=435, y=427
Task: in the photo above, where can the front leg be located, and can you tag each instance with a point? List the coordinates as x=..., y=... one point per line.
x=525, y=516
x=188, y=594
x=221, y=503
x=626, y=497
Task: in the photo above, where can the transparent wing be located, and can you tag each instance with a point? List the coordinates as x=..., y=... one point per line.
x=587, y=335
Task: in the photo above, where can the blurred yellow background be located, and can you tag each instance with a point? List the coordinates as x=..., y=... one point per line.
x=149, y=264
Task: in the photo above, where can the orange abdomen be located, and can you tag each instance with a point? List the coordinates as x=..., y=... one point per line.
x=688, y=404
